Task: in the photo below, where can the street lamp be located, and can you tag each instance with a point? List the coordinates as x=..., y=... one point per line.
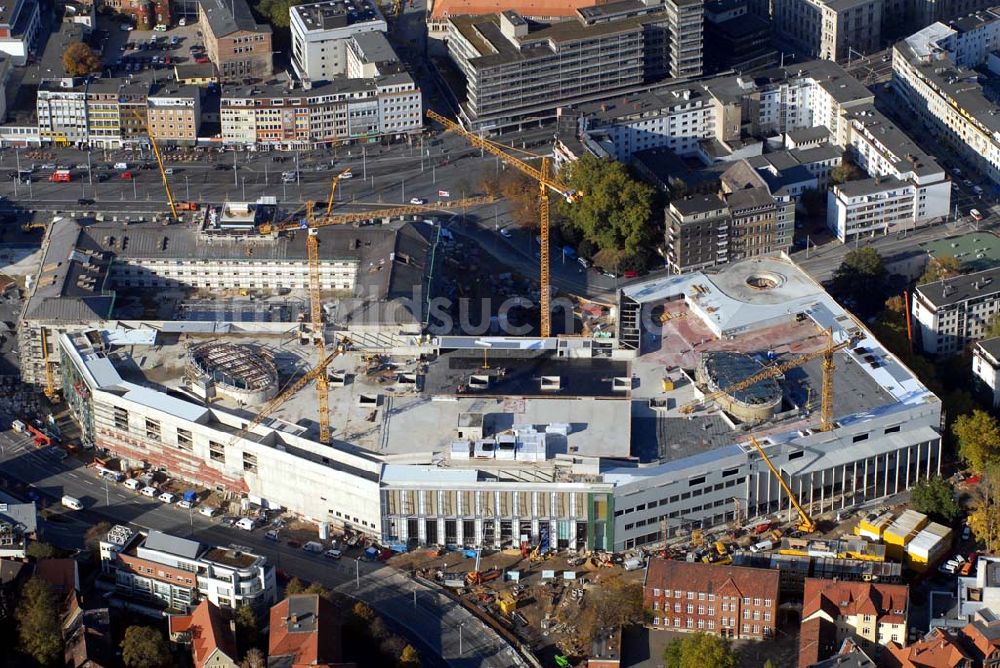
x=460, y=652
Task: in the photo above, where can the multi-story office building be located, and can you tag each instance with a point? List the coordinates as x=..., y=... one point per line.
x=986, y=365
x=741, y=41
x=332, y=112
x=512, y=71
x=20, y=27
x=956, y=311
x=179, y=572
x=238, y=45
x=321, y=32
x=932, y=76
x=369, y=55
x=62, y=112
x=827, y=29
x=729, y=601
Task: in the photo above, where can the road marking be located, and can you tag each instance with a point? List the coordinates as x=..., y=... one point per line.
x=72, y=475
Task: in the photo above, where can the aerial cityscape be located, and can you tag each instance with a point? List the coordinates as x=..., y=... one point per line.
x=444, y=333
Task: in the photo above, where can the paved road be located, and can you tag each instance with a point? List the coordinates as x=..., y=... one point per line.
x=432, y=620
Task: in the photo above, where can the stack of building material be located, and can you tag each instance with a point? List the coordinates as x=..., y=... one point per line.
x=928, y=546
x=903, y=530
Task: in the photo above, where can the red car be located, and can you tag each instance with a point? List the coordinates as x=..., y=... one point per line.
x=201, y=61
x=126, y=176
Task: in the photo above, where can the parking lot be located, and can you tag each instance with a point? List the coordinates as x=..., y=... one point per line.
x=152, y=50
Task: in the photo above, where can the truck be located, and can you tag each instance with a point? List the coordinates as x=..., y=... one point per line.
x=61, y=176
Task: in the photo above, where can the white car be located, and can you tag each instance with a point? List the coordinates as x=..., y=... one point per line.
x=133, y=484
x=207, y=511
x=332, y=554
x=184, y=504
x=149, y=491
x=167, y=497
x=418, y=200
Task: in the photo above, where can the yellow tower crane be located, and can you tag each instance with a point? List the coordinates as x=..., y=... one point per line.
x=545, y=184
x=826, y=411
x=159, y=161
x=316, y=372
x=806, y=525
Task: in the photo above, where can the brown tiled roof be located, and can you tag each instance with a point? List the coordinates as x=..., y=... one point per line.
x=982, y=639
x=305, y=631
x=698, y=576
x=60, y=574
x=209, y=632
x=887, y=602
x=937, y=649
x=817, y=641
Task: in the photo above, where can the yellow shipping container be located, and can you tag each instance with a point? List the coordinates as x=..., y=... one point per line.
x=872, y=526
x=928, y=546
x=898, y=534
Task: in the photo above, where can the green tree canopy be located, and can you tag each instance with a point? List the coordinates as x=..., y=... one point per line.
x=939, y=268
x=614, y=209
x=145, y=647
x=978, y=436
x=80, y=60
x=846, y=171
x=860, y=278
x=699, y=650
x=38, y=625
x=294, y=586
x=39, y=550
x=935, y=496
x=276, y=11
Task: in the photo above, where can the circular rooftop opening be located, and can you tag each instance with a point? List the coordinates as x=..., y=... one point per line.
x=765, y=280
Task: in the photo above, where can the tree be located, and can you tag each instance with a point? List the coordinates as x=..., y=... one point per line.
x=294, y=586
x=521, y=194
x=38, y=625
x=978, y=436
x=939, y=268
x=860, y=278
x=94, y=534
x=618, y=602
x=615, y=209
x=145, y=647
x=935, y=496
x=993, y=328
x=247, y=630
x=254, y=659
x=698, y=650
x=363, y=611
x=409, y=658
x=40, y=550
x=276, y=11
x=770, y=664
x=80, y=60
x=846, y=171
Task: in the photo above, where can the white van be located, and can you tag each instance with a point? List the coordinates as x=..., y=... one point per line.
x=148, y=491
x=313, y=546
x=133, y=484
x=72, y=503
x=166, y=497
x=633, y=564
x=246, y=524
x=207, y=511
x=762, y=546
x=18, y=426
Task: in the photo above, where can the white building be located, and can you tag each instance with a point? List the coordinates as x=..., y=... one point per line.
x=322, y=30
x=931, y=73
x=953, y=312
x=20, y=23
x=869, y=206
x=179, y=572
x=986, y=365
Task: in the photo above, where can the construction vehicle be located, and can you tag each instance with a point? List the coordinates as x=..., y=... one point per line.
x=826, y=413
x=545, y=183
x=806, y=525
x=289, y=392
x=159, y=161
x=40, y=438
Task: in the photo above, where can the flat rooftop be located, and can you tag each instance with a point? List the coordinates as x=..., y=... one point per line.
x=976, y=251
x=333, y=14
x=230, y=556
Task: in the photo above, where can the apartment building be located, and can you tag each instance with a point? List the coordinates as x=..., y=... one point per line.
x=697, y=233
x=828, y=28
x=321, y=32
x=868, y=207
x=512, y=71
x=238, y=45
x=939, y=648
x=280, y=116
x=18, y=525
x=20, y=28
x=179, y=572
x=986, y=365
x=873, y=615
x=956, y=311
x=932, y=75
x=173, y=114
x=306, y=630
x=62, y=112
x=369, y=55
x=734, y=602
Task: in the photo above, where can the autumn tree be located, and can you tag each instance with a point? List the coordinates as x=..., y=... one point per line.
x=294, y=586
x=80, y=60
x=935, y=496
x=846, y=171
x=409, y=657
x=38, y=627
x=521, y=194
x=317, y=588
x=614, y=210
x=145, y=647
x=940, y=268
x=978, y=436
x=697, y=650
x=254, y=659
x=860, y=278
x=40, y=550
x=247, y=630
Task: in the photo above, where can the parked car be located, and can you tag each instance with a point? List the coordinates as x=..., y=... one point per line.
x=246, y=523
x=184, y=503
x=313, y=546
x=167, y=497
x=207, y=511
x=418, y=200
x=271, y=535
x=133, y=484
x=149, y=491
x=505, y=233
x=332, y=554
x=966, y=532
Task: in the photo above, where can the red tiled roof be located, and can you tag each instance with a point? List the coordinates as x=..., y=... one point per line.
x=60, y=574
x=209, y=631
x=305, y=627
x=936, y=650
x=983, y=639
x=887, y=602
x=817, y=641
x=698, y=576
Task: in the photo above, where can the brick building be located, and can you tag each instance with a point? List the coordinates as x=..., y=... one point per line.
x=238, y=45
x=729, y=601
